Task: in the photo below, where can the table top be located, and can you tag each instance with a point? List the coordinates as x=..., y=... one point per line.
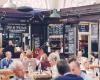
x=6, y=71
x=44, y=74
x=35, y=75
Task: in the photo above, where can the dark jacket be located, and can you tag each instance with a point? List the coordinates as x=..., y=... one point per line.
x=69, y=77
x=11, y=49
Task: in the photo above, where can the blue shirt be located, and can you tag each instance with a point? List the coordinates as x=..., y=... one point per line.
x=5, y=63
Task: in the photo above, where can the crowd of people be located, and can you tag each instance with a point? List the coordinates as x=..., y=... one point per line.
x=75, y=67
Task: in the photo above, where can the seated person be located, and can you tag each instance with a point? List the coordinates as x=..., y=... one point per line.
x=44, y=63
x=37, y=53
x=5, y=62
x=75, y=69
x=29, y=61
x=18, y=70
x=64, y=72
x=53, y=59
x=23, y=56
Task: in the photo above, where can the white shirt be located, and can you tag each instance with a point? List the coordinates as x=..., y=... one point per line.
x=54, y=71
x=85, y=76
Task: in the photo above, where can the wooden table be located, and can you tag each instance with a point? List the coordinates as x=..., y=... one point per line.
x=94, y=66
x=96, y=78
x=5, y=73
x=45, y=75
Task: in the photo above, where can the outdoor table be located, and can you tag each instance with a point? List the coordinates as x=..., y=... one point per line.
x=5, y=74
x=45, y=75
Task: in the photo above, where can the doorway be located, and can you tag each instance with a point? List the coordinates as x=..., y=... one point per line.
x=83, y=44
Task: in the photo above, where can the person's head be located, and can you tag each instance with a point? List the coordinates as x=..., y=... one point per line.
x=44, y=57
x=63, y=67
x=85, y=63
x=23, y=55
x=8, y=55
x=53, y=59
x=95, y=54
x=74, y=66
x=18, y=69
x=29, y=54
x=10, y=43
x=79, y=54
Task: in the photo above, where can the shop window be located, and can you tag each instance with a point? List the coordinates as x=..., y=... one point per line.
x=94, y=37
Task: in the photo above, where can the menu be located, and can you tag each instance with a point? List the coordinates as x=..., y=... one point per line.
x=55, y=29
x=69, y=39
x=83, y=28
x=37, y=42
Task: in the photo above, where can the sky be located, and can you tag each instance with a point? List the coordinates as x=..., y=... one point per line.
x=51, y=4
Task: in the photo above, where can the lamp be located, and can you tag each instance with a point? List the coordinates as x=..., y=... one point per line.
x=55, y=14
x=25, y=9
x=9, y=4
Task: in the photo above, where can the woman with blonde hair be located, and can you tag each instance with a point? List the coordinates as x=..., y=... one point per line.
x=29, y=61
x=53, y=59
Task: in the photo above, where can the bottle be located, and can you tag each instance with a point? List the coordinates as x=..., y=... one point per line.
x=39, y=68
x=30, y=70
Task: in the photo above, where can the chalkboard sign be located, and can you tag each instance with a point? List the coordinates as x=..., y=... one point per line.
x=55, y=29
x=17, y=28
x=69, y=39
x=37, y=42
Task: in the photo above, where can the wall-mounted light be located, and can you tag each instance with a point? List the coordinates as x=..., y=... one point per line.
x=24, y=9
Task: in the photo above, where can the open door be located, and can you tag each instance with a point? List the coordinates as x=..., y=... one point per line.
x=83, y=44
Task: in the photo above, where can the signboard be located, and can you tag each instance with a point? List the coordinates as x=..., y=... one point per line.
x=55, y=34
x=37, y=42
x=83, y=28
x=55, y=29
x=17, y=28
x=69, y=39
